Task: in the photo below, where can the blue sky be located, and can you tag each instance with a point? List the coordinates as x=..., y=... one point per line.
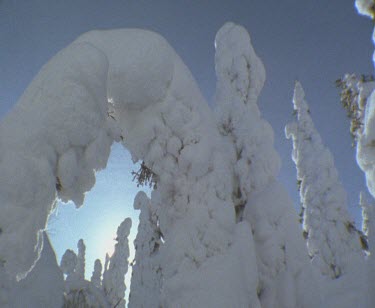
x=314, y=41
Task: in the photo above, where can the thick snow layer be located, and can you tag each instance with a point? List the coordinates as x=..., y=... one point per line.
x=227, y=280
x=368, y=222
x=61, y=129
x=218, y=231
x=332, y=240
x=285, y=276
x=366, y=144
x=146, y=274
x=44, y=286
x=96, y=277
x=114, y=274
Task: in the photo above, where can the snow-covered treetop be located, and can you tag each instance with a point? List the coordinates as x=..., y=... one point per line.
x=80, y=268
x=366, y=7
x=332, y=239
x=146, y=275
x=68, y=262
x=97, y=273
x=114, y=276
x=234, y=57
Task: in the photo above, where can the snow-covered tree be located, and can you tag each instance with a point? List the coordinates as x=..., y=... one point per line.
x=78, y=291
x=332, y=239
x=368, y=222
x=285, y=278
x=219, y=229
x=68, y=264
x=146, y=273
x=354, y=93
x=96, y=277
x=80, y=267
x=114, y=275
x=366, y=136
x=368, y=228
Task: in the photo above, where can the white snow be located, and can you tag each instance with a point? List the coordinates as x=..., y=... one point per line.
x=114, y=271
x=332, y=240
x=146, y=274
x=44, y=286
x=281, y=259
x=365, y=7
x=219, y=229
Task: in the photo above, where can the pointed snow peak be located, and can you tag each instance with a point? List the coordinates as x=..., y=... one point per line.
x=323, y=198
x=299, y=99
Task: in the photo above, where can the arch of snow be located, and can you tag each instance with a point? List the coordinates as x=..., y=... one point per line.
x=130, y=86
x=105, y=86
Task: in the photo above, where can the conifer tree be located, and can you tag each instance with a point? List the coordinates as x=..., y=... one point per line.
x=146, y=274
x=114, y=275
x=260, y=200
x=332, y=239
x=96, y=277
x=80, y=267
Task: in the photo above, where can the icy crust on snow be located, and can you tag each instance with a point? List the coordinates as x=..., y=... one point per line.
x=332, y=241
x=365, y=7
x=284, y=274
